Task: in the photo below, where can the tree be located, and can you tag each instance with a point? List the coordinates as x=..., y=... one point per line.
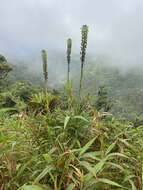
x=103, y=102
x=5, y=68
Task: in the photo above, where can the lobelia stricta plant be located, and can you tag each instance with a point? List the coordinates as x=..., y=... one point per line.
x=84, y=35
x=69, y=85
x=69, y=46
x=45, y=68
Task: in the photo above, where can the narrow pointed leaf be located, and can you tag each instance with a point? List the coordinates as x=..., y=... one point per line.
x=31, y=187
x=80, y=117
x=86, y=147
x=107, y=181
x=70, y=186
x=88, y=167
x=133, y=185
x=43, y=173
x=110, y=148
x=66, y=121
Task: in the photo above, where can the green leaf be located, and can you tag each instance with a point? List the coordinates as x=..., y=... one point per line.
x=129, y=177
x=25, y=166
x=107, y=181
x=66, y=121
x=116, y=154
x=96, y=169
x=88, y=167
x=133, y=185
x=48, y=157
x=86, y=147
x=90, y=183
x=80, y=117
x=93, y=170
x=110, y=148
x=43, y=173
x=52, y=150
x=30, y=187
x=70, y=186
x=92, y=155
x=7, y=109
x=116, y=165
x=128, y=145
x=99, y=166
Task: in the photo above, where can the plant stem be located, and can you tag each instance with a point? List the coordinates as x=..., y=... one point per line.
x=69, y=46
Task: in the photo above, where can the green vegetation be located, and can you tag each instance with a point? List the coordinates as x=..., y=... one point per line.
x=4, y=67
x=51, y=141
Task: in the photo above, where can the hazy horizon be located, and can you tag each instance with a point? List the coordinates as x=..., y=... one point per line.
x=115, y=28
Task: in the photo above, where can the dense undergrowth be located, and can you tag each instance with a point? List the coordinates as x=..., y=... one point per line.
x=69, y=149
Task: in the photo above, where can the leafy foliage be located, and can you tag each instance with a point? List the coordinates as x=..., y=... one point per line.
x=43, y=102
x=4, y=67
x=51, y=141
x=76, y=152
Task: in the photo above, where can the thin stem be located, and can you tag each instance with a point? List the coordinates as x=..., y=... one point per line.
x=81, y=79
x=68, y=76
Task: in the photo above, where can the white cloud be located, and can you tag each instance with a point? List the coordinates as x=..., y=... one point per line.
x=115, y=26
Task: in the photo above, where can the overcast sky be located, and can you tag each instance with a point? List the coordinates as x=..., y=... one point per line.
x=115, y=27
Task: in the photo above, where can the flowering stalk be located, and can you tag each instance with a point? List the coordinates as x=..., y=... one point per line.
x=69, y=46
x=84, y=35
x=45, y=68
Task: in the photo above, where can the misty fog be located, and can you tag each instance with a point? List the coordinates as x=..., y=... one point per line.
x=115, y=29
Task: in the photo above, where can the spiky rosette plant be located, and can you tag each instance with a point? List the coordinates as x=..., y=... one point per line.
x=45, y=68
x=84, y=35
x=69, y=47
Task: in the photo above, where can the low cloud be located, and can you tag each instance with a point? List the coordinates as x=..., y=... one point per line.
x=115, y=27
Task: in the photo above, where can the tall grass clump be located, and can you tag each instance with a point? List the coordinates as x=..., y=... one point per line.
x=84, y=35
x=45, y=68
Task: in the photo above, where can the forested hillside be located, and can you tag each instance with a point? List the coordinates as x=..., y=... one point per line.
x=123, y=86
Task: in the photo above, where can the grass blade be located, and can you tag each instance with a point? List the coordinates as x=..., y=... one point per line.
x=86, y=147
x=43, y=173
x=66, y=121
x=107, y=181
x=110, y=148
x=70, y=186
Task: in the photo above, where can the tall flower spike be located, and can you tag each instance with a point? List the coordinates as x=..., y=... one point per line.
x=45, y=68
x=69, y=47
x=84, y=35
